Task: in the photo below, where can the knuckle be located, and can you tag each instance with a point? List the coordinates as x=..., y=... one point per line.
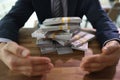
x=8, y=45
x=12, y=64
x=17, y=49
x=12, y=47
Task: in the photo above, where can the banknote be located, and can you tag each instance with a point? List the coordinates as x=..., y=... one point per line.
x=83, y=40
x=61, y=20
x=63, y=42
x=63, y=49
x=44, y=43
x=46, y=46
x=78, y=36
x=59, y=35
x=83, y=47
x=46, y=50
x=62, y=35
x=59, y=27
x=38, y=34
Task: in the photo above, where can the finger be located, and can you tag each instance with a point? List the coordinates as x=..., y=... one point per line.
x=30, y=61
x=25, y=66
x=88, y=59
x=110, y=47
x=39, y=60
x=89, y=69
x=26, y=73
x=112, y=59
x=35, y=70
x=92, y=65
x=98, y=58
x=16, y=49
x=13, y=61
x=42, y=67
x=25, y=52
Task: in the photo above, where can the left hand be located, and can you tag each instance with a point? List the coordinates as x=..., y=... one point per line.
x=110, y=56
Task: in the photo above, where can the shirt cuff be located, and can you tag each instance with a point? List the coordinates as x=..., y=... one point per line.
x=117, y=39
x=5, y=40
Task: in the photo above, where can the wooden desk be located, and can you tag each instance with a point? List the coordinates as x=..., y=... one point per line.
x=66, y=66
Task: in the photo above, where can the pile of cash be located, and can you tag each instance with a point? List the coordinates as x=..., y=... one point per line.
x=61, y=35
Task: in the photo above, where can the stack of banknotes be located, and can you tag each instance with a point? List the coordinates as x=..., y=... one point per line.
x=61, y=35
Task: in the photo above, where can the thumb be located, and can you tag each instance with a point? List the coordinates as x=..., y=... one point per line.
x=110, y=47
x=16, y=49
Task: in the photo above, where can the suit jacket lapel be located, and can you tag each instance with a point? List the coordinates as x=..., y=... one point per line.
x=71, y=7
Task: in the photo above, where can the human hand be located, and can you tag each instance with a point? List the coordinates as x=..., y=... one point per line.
x=110, y=56
x=18, y=59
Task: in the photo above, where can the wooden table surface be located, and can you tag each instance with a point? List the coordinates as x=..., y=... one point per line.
x=66, y=66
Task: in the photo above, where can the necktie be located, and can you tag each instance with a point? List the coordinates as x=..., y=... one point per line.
x=58, y=9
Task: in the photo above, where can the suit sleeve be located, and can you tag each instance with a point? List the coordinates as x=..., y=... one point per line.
x=15, y=19
x=106, y=30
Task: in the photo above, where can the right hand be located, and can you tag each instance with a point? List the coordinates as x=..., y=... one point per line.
x=18, y=59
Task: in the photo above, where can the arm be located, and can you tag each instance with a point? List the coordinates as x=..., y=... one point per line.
x=106, y=30
x=15, y=19
x=17, y=57
x=18, y=60
x=106, y=33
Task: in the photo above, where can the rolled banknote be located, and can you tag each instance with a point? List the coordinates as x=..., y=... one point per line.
x=61, y=20
x=59, y=27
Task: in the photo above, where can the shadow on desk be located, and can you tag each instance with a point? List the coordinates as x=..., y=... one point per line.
x=66, y=66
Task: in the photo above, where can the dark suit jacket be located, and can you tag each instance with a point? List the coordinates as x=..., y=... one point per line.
x=19, y=14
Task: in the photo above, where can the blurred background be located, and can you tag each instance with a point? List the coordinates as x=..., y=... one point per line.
x=6, y=5
x=112, y=7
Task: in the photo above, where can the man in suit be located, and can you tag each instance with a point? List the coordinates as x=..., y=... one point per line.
x=17, y=57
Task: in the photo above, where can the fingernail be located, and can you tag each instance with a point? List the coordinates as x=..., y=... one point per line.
x=50, y=67
x=25, y=53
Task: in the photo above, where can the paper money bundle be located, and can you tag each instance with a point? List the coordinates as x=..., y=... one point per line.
x=62, y=20
x=55, y=35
